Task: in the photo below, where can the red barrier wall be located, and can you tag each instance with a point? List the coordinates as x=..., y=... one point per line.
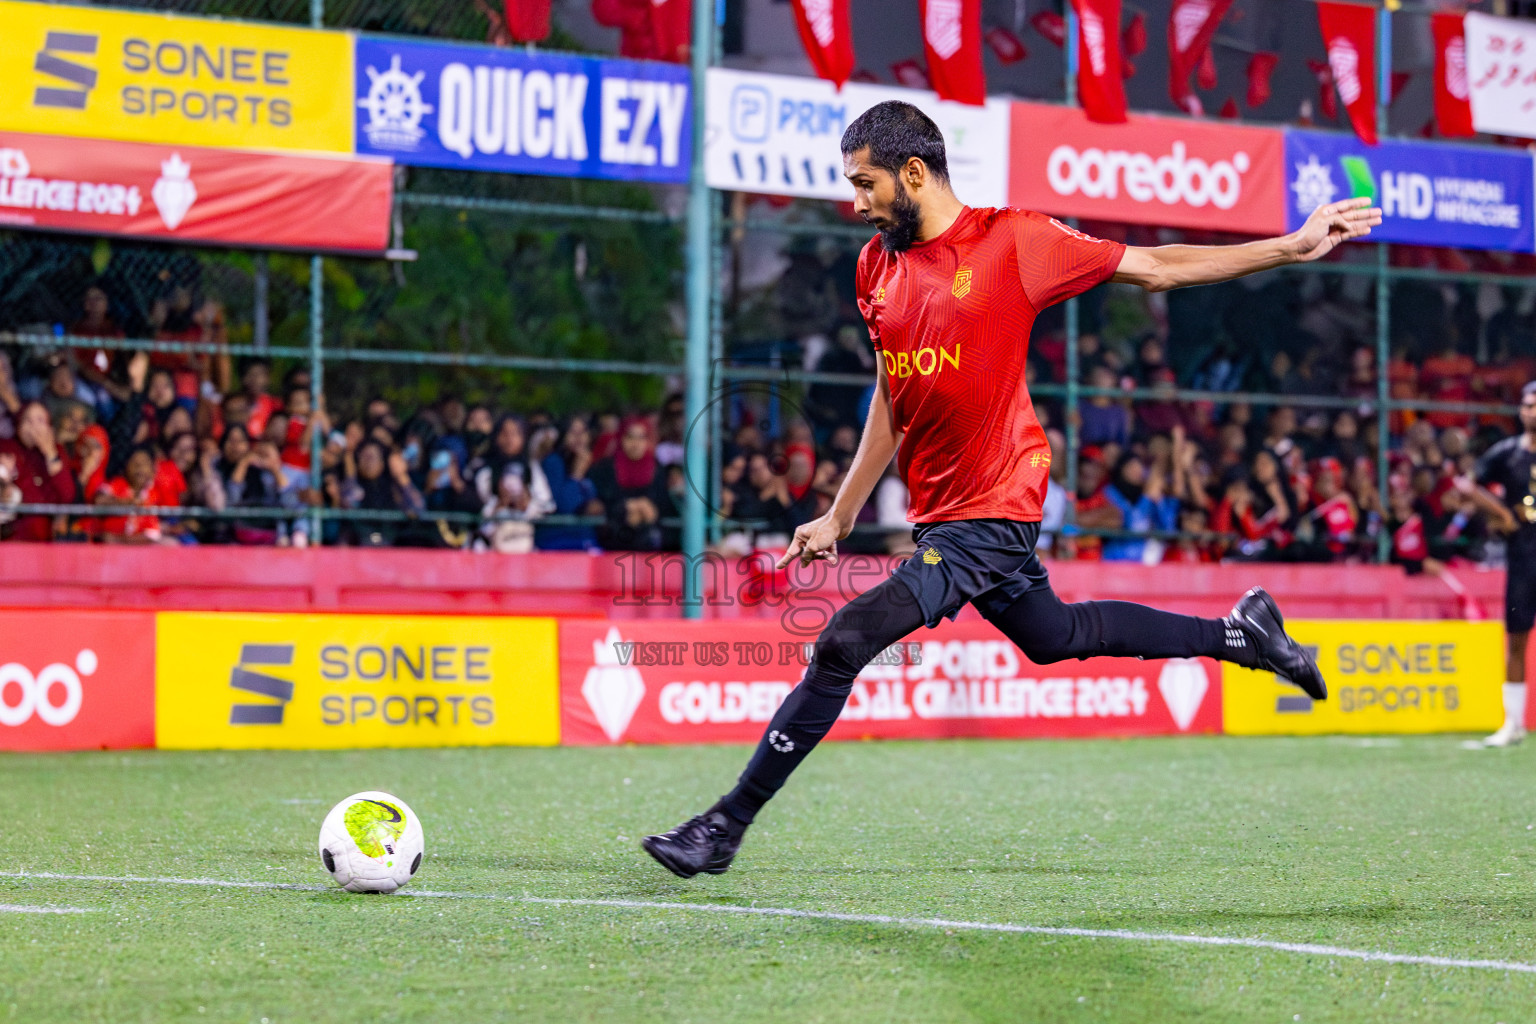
x=564, y=583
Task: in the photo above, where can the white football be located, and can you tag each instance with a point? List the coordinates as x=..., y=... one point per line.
x=371, y=842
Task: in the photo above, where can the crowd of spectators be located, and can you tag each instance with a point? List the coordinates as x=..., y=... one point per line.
x=1157, y=478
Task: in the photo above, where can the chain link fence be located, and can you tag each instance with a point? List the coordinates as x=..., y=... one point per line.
x=550, y=298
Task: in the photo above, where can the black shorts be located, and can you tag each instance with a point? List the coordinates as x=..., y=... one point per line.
x=990, y=563
x=1520, y=587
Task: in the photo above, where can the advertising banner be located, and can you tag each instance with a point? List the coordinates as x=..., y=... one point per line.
x=1429, y=193
x=782, y=135
x=77, y=680
x=1149, y=170
x=1395, y=676
x=95, y=73
x=189, y=194
x=1501, y=74
x=482, y=108
x=310, y=682
x=679, y=682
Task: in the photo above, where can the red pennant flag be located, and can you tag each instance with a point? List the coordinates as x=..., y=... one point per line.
x=827, y=35
x=1005, y=46
x=672, y=27
x=1205, y=72
x=1191, y=24
x=633, y=20
x=1399, y=79
x=1229, y=108
x=1134, y=39
x=1260, y=67
x=528, y=20
x=1349, y=31
x=866, y=76
x=910, y=73
x=1453, y=109
x=1051, y=25
x=952, y=45
x=1100, y=87
x=1328, y=100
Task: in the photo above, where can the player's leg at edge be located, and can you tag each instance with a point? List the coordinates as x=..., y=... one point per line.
x=1513, y=729
x=1039, y=623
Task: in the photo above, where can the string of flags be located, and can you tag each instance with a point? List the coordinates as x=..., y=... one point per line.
x=1484, y=80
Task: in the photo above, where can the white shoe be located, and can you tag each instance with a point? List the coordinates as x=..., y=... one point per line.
x=1509, y=734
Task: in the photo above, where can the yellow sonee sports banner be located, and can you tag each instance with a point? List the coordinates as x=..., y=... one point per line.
x=241, y=681
x=1384, y=676
x=101, y=74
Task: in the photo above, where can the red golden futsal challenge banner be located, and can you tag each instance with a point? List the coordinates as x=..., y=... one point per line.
x=1151, y=170
x=77, y=680
x=679, y=682
x=193, y=194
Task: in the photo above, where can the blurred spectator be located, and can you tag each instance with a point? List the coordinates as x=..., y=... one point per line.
x=1105, y=420
x=138, y=487
x=255, y=380
x=631, y=490
x=1053, y=506
x=1138, y=493
x=377, y=480
x=252, y=477
x=10, y=399
x=565, y=455
x=1447, y=377
x=178, y=316
x=669, y=432
x=31, y=461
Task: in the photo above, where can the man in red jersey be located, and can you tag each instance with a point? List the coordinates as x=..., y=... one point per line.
x=949, y=294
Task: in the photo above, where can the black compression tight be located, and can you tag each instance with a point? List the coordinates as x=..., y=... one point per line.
x=1039, y=623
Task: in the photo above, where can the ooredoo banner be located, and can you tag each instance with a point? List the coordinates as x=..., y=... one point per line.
x=782, y=135
x=1149, y=170
x=95, y=73
x=310, y=682
x=1474, y=197
x=191, y=194
x=716, y=682
x=489, y=108
x=76, y=680
x=1389, y=676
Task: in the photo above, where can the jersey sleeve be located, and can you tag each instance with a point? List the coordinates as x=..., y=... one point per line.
x=1488, y=471
x=861, y=280
x=1057, y=262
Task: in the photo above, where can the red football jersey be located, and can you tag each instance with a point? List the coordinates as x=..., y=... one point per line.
x=950, y=319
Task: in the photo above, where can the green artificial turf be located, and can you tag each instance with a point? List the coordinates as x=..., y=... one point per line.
x=1410, y=846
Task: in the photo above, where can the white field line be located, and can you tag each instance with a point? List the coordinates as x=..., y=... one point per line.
x=1304, y=948
x=26, y=908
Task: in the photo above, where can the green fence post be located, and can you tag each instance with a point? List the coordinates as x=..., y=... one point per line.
x=1070, y=309
x=700, y=250
x=316, y=382
x=1383, y=297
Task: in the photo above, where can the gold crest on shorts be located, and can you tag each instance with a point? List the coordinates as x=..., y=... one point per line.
x=962, y=286
x=932, y=557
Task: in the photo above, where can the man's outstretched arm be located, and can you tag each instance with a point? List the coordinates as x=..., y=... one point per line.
x=1175, y=266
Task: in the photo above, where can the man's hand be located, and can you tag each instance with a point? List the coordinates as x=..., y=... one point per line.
x=1332, y=225
x=815, y=540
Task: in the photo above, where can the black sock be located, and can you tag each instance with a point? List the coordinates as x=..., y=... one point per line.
x=1048, y=630
x=1134, y=630
x=859, y=631
x=806, y=715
